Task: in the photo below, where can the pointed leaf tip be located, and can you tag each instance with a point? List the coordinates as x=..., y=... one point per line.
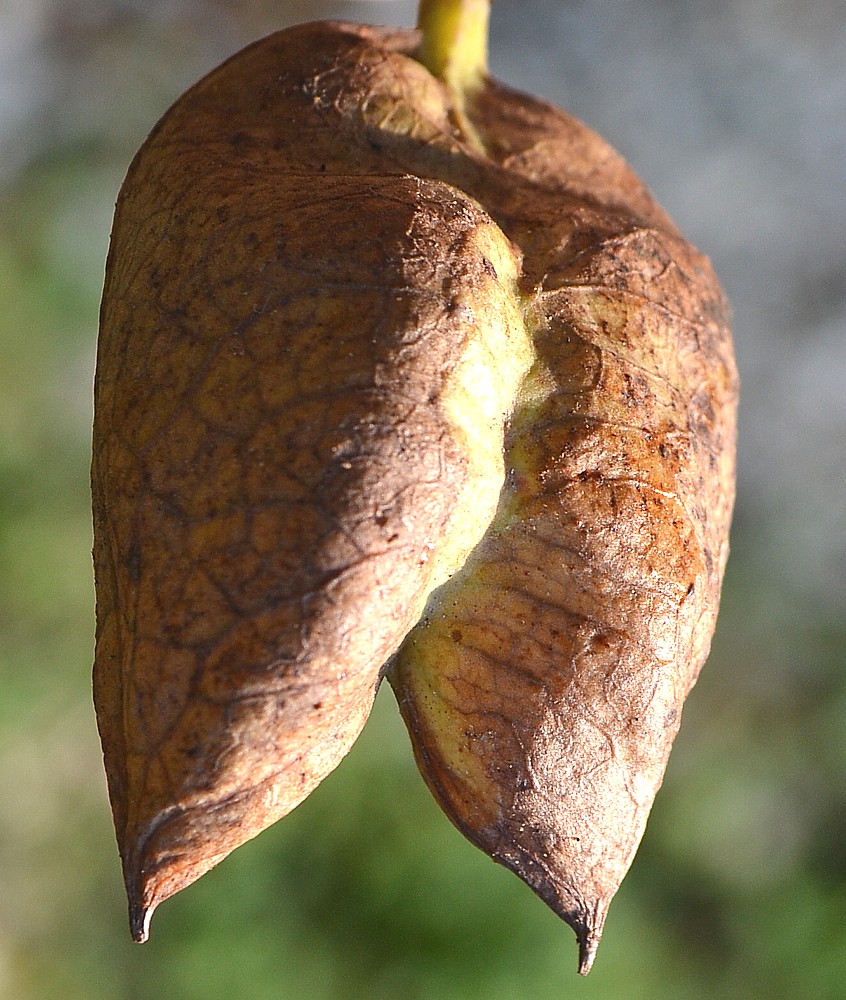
x=589, y=934
x=588, y=944
x=139, y=920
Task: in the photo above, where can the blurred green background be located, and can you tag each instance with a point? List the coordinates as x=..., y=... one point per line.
x=735, y=114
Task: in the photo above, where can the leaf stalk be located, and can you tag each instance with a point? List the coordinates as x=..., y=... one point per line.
x=454, y=45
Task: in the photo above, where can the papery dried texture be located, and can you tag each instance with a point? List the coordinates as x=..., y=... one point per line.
x=314, y=324
x=280, y=477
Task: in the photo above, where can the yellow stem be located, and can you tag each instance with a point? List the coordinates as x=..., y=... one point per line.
x=454, y=46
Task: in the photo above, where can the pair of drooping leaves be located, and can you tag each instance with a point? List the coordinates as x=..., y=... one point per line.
x=393, y=384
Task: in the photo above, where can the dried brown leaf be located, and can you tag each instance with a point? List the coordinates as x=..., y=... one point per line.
x=380, y=373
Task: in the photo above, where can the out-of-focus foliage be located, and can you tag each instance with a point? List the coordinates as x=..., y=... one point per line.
x=735, y=113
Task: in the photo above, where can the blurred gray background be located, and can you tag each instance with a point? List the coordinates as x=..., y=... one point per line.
x=734, y=112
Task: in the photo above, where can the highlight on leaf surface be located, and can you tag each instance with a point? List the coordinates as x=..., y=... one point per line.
x=398, y=376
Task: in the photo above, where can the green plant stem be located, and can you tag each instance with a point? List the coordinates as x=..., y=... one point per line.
x=454, y=46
